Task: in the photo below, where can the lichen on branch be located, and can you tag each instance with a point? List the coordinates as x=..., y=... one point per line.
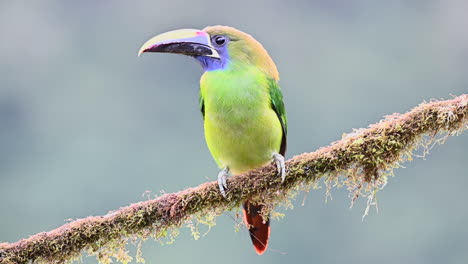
x=361, y=160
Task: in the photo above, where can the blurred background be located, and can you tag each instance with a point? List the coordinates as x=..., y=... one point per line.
x=87, y=127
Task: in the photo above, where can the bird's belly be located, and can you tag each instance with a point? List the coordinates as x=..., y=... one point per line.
x=243, y=139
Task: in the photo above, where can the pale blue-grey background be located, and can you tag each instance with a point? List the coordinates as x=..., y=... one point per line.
x=87, y=127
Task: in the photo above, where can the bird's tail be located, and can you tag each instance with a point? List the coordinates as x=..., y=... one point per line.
x=258, y=229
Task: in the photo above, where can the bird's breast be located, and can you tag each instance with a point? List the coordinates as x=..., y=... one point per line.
x=241, y=129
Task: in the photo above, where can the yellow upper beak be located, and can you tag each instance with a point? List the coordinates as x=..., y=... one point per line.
x=191, y=42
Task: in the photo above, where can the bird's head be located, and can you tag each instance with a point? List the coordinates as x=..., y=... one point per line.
x=216, y=48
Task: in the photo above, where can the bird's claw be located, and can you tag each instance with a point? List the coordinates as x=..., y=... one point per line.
x=280, y=165
x=222, y=176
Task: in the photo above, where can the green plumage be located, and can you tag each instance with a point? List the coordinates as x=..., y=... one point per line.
x=244, y=117
x=277, y=104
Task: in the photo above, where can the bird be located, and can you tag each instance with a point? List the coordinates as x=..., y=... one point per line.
x=242, y=106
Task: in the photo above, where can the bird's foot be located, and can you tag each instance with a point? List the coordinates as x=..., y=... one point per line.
x=280, y=165
x=222, y=176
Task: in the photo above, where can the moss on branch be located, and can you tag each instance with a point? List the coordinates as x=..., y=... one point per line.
x=361, y=160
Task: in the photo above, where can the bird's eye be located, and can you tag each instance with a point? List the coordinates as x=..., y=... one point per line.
x=219, y=40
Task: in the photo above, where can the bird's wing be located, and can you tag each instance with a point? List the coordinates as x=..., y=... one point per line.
x=277, y=104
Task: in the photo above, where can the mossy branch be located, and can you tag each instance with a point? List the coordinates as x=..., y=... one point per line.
x=363, y=158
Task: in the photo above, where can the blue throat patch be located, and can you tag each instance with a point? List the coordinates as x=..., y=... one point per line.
x=214, y=64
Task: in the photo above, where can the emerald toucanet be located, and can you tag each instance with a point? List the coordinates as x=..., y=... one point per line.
x=241, y=103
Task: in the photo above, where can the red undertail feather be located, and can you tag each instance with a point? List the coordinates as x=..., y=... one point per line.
x=259, y=230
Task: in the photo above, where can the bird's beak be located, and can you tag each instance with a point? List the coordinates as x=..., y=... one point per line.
x=191, y=42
